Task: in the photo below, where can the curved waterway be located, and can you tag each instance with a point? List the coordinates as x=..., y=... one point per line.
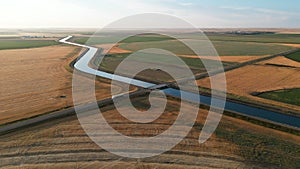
x=259, y=113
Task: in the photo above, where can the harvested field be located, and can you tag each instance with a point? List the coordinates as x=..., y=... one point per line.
x=291, y=45
x=281, y=60
x=260, y=78
x=112, y=49
x=238, y=59
x=63, y=143
x=35, y=81
x=114, y=164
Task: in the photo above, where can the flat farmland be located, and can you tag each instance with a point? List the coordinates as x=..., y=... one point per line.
x=262, y=38
x=115, y=49
x=62, y=143
x=231, y=53
x=112, y=48
x=290, y=96
x=21, y=43
x=224, y=48
x=245, y=81
x=106, y=39
x=294, y=56
x=281, y=61
x=228, y=59
x=36, y=81
x=111, y=62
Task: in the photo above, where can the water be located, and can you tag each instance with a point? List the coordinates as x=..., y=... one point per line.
x=252, y=111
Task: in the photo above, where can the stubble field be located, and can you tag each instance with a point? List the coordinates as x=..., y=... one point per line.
x=36, y=81
x=236, y=144
x=258, y=78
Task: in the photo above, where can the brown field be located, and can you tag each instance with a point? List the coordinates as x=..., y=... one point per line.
x=292, y=45
x=36, y=81
x=259, y=78
x=115, y=164
x=63, y=144
x=281, y=60
x=238, y=59
x=112, y=48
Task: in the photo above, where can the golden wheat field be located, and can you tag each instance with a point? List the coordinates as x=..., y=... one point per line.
x=261, y=77
x=36, y=81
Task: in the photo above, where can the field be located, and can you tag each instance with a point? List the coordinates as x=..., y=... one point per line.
x=290, y=96
x=228, y=59
x=36, y=81
x=21, y=44
x=112, y=49
x=295, y=56
x=246, y=81
x=111, y=62
x=223, y=48
x=112, y=38
x=263, y=38
x=230, y=52
x=193, y=63
x=281, y=61
x=236, y=144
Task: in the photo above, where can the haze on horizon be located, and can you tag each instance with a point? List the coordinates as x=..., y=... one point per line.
x=95, y=14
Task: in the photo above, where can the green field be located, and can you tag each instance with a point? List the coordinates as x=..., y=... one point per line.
x=112, y=39
x=110, y=63
x=226, y=45
x=140, y=42
x=263, y=38
x=194, y=63
x=21, y=44
x=290, y=96
x=294, y=56
x=223, y=48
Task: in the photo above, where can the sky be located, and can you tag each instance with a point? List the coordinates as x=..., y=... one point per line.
x=201, y=13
